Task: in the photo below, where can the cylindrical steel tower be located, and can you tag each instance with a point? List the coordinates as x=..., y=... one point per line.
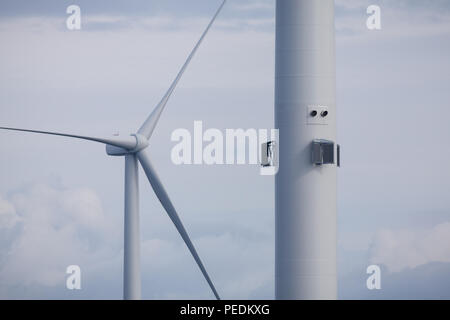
x=305, y=186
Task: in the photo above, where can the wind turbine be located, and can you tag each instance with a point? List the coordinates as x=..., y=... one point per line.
x=132, y=147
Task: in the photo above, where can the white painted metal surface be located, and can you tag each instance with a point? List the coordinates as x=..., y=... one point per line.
x=305, y=194
x=131, y=258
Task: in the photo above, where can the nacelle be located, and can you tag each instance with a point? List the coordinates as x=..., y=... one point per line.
x=141, y=143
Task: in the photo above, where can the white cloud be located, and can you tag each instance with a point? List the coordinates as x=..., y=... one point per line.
x=57, y=228
x=8, y=216
x=147, y=55
x=254, y=5
x=408, y=248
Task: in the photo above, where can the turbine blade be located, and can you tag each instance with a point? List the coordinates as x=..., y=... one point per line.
x=150, y=124
x=127, y=142
x=167, y=204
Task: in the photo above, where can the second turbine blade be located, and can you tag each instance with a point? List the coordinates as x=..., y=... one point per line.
x=126, y=142
x=170, y=209
x=149, y=125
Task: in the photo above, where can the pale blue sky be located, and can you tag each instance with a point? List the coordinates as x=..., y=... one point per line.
x=61, y=201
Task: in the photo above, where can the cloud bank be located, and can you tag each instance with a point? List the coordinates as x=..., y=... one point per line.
x=409, y=248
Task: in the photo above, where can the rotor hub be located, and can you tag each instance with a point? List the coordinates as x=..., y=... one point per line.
x=141, y=143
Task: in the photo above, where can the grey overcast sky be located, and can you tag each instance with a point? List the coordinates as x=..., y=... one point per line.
x=61, y=201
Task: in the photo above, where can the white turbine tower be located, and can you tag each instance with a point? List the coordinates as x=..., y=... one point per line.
x=132, y=147
x=305, y=186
